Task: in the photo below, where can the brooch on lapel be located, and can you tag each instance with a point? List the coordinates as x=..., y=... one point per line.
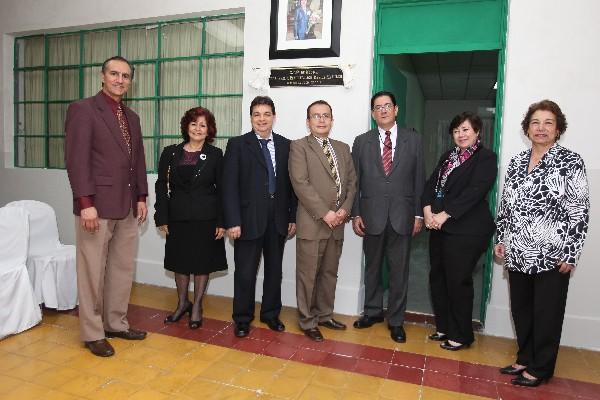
x=203, y=156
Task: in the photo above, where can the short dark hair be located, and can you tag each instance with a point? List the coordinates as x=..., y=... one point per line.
x=314, y=103
x=118, y=58
x=546, y=105
x=262, y=101
x=381, y=94
x=193, y=114
x=473, y=119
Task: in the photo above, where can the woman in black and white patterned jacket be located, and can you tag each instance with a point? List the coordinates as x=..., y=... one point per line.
x=541, y=227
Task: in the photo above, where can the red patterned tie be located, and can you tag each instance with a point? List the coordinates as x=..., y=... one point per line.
x=386, y=156
x=124, y=127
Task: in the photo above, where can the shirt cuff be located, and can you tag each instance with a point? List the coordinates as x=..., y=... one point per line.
x=418, y=216
x=85, y=202
x=141, y=199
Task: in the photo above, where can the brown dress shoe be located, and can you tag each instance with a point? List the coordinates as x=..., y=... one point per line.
x=130, y=334
x=333, y=324
x=100, y=348
x=313, y=334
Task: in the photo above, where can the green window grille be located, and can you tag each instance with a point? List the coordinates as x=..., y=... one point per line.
x=178, y=65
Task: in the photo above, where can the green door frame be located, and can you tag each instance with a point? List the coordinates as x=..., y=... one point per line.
x=492, y=37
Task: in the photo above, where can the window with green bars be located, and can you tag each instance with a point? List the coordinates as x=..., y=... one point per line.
x=178, y=65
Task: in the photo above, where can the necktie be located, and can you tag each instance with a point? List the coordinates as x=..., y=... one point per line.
x=124, y=127
x=386, y=156
x=334, y=173
x=269, y=162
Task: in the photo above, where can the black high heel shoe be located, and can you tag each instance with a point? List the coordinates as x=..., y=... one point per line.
x=510, y=370
x=195, y=324
x=174, y=318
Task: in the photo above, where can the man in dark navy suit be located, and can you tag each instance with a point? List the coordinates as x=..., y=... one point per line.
x=260, y=214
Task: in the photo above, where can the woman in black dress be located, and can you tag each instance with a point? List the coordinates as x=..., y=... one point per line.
x=457, y=214
x=188, y=210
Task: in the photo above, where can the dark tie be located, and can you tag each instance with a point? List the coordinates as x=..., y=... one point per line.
x=386, y=156
x=124, y=127
x=334, y=173
x=271, y=171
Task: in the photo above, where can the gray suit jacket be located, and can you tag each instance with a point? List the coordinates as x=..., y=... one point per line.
x=395, y=197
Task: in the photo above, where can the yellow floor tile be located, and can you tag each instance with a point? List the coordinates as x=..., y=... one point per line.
x=114, y=390
x=8, y=383
x=29, y=369
x=268, y=364
x=296, y=370
x=364, y=384
x=330, y=377
x=399, y=390
x=191, y=365
x=317, y=392
x=287, y=388
x=59, y=353
x=26, y=391
x=222, y=372
x=197, y=388
x=170, y=381
x=238, y=358
x=253, y=380
x=149, y=394
x=209, y=353
x=56, y=377
x=9, y=361
x=84, y=384
x=230, y=393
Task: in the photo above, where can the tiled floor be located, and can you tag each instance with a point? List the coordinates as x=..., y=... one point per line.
x=174, y=362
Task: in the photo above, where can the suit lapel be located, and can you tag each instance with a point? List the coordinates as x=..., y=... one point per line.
x=375, y=150
x=316, y=147
x=400, y=148
x=460, y=170
x=254, y=147
x=111, y=122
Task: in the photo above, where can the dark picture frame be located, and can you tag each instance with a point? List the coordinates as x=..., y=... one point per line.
x=281, y=47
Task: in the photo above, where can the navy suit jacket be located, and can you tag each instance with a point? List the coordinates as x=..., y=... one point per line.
x=246, y=186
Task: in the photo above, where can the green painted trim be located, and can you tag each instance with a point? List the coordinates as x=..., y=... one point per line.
x=378, y=72
x=81, y=72
x=16, y=106
x=46, y=95
x=493, y=196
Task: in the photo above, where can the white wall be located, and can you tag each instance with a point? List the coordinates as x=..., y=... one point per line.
x=552, y=52
x=52, y=186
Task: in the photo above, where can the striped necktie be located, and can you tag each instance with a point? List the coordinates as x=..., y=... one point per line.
x=386, y=156
x=334, y=171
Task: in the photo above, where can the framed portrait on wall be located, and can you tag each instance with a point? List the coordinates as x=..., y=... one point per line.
x=305, y=28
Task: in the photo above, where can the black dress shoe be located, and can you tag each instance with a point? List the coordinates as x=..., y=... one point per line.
x=510, y=370
x=176, y=317
x=241, y=329
x=522, y=381
x=333, y=324
x=438, y=337
x=447, y=346
x=313, y=334
x=274, y=324
x=130, y=334
x=100, y=348
x=397, y=334
x=366, y=322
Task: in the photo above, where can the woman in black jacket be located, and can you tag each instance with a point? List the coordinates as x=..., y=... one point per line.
x=457, y=213
x=189, y=212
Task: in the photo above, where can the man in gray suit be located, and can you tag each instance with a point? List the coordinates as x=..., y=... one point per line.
x=387, y=212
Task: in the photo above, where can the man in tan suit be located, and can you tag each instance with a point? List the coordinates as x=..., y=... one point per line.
x=323, y=177
x=105, y=162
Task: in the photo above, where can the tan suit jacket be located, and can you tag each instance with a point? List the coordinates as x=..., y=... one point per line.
x=315, y=186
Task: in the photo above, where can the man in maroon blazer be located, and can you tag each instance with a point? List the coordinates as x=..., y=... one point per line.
x=104, y=155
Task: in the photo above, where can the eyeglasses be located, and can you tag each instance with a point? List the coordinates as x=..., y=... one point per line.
x=318, y=117
x=383, y=107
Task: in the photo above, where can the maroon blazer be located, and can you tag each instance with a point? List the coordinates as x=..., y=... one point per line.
x=97, y=160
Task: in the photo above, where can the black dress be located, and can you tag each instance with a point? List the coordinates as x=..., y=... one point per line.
x=193, y=210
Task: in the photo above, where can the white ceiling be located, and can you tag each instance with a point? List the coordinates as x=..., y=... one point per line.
x=456, y=75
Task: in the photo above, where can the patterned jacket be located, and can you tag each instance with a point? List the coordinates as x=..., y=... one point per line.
x=543, y=215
